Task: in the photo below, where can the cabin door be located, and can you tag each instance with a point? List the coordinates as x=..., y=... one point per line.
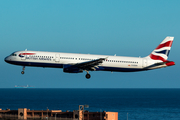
x=57, y=58
x=23, y=55
x=144, y=62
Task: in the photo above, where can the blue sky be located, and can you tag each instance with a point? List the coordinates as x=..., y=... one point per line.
x=125, y=28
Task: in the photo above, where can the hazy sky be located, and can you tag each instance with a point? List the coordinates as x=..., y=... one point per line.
x=125, y=28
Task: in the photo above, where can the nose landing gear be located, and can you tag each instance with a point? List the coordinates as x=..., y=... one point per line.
x=22, y=72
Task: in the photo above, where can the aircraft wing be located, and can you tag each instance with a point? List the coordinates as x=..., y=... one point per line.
x=90, y=65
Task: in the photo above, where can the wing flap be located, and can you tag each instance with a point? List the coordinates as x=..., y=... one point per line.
x=90, y=65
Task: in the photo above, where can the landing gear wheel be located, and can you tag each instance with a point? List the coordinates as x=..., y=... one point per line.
x=22, y=72
x=88, y=76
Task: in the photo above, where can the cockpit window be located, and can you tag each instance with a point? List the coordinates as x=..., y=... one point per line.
x=13, y=54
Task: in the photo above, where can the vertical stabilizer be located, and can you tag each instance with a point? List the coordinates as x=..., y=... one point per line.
x=162, y=51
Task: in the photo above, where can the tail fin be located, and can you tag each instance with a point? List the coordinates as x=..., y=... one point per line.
x=162, y=51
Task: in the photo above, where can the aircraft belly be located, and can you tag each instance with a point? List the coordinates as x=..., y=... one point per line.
x=118, y=69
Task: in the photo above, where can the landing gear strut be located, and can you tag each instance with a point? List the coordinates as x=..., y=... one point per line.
x=88, y=75
x=22, y=72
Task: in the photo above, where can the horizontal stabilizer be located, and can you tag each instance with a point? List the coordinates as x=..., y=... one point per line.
x=160, y=64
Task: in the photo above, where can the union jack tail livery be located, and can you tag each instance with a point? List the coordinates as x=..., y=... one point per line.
x=161, y=53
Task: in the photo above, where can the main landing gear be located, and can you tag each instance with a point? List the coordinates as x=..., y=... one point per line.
x=22, y=72
x=88, y=75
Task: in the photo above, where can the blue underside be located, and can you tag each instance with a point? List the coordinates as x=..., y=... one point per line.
x=53, y=65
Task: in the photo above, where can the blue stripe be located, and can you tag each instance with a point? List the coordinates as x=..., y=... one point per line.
x=53, y=65
x=166, y=52
x=118, y=69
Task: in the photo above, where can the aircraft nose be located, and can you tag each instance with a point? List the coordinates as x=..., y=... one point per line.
x=6, y=59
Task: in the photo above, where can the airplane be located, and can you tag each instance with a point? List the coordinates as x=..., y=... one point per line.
x=77, y=63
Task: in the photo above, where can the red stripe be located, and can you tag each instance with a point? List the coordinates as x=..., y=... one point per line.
x=155, y=57
x=28, y=53
x=167, y=44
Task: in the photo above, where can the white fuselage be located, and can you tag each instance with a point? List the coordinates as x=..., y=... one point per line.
x=58, y=60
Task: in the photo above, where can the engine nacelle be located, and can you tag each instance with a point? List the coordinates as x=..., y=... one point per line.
x=71, y=69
